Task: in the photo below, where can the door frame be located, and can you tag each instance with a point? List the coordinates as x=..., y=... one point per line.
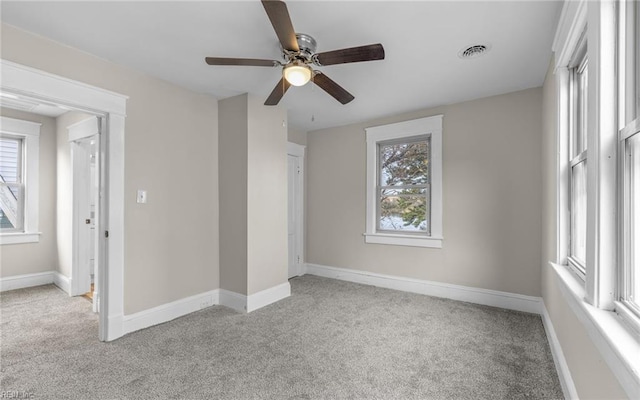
x=29, y=82
x=298, y=151
x=81, y=170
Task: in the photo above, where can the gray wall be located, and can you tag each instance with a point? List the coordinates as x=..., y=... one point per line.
x=592, y=377
x=30, y=258
x=267, y=196
x=233, y=164
x=297, y=136
x=491, y=183
x=253, y=195
x=171, y=150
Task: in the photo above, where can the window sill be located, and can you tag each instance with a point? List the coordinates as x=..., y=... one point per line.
x=617, y=342
x=19, y=237
x=403, y=240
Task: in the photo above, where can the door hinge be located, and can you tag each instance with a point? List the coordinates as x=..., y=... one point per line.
x=298, y=170
x=298, y=259
x=106, y=234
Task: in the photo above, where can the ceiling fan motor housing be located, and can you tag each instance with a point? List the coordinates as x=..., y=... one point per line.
x=307, y=45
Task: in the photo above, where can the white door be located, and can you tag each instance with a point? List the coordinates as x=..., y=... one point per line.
x=83, y=224
x=292, y=215
x=84, y=138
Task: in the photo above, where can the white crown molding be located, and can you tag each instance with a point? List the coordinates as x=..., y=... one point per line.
x=25, y=281
x=494, y=298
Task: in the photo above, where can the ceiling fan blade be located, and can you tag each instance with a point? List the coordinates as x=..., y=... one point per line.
x=332, y=88
x=277, y=93
x=370, y=52
x=279, y=17
x=254, y=62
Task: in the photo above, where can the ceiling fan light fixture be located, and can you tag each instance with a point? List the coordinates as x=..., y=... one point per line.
x=297, y=74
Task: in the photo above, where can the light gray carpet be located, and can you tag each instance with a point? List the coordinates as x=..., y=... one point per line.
x=329, y=340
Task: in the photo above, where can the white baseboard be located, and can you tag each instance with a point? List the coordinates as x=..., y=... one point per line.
x=564, y=374
x=268, y=296
x=494, y=298
x=62, y=282
x=179, y=308
x=242, y=303
x=25, y=281
x=233, y=300
x=169, y=311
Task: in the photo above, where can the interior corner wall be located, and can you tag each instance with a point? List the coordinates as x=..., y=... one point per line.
x=233, y=165
x=253, y=195
x=491, y=196
x=267, y=197
x=171, y=150
x=591, y=375
x=64, y=192
x=31, y=258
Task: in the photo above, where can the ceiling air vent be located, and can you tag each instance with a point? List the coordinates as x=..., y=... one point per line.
x=474, y=51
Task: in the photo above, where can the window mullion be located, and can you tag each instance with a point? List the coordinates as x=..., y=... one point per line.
x=601, y=141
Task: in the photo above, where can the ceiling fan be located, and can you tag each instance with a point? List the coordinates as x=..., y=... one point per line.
x=299, y=53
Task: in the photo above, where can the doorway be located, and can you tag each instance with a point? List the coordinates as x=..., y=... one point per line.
x=295, y=230
x=84, y=142
x=29, y=83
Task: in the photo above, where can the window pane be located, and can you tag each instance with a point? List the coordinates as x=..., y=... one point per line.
x=404, y=163
x=11, y=196
x=633, y=274
x=579, y=212
x=404, y=210
x=579, y=134
x=10, y=151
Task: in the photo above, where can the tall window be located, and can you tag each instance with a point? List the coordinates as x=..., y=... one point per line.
x=630, y=293
x=404, y=183
x=19, y=183
x=403, y=191
x=11, y=184
x=578, y=161
x=629, y=148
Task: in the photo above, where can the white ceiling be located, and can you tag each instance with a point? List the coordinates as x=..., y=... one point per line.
x=422, y=39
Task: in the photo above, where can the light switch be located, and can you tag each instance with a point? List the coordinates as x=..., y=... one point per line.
x=142, y=196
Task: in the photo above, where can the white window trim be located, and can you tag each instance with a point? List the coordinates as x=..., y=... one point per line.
x=593, y=300
x=423, y=126
x=29, y=132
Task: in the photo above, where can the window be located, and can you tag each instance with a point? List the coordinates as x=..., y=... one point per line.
x=404, y=183
x=628, y=293
x=578, y=160
x=403, y=190
x=19, y=154
x=598, y=187
x=11, y=185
